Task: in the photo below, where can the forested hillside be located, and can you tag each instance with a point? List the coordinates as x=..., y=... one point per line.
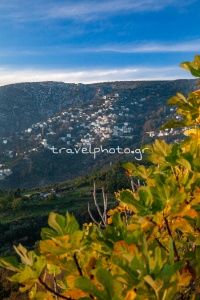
x=39, y=116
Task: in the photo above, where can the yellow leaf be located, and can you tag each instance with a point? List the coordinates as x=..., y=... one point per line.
x=123, y=247
x=184, y=278
x=146, y=224
x=131, y=295
x=185, y=210
x=76, y=294
x=196, y=93
x=191, y=213
x=196, y=197
x=132, y=227
x=119, y=208
x=109, y=220
x=193, y=133
x=181, y=224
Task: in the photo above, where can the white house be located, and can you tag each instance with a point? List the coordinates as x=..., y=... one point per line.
x=160, y=133
x=151, y=133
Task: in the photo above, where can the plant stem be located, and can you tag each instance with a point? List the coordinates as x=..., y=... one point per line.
x=161, y=245
x=77, y=264
x=176, y=256
x=44, y=285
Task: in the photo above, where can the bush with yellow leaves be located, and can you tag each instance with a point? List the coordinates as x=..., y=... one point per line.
x=150, y=247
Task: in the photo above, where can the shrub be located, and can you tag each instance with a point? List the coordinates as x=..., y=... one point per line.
x=150, y=246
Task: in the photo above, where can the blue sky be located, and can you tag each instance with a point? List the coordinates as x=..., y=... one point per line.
x=94, y=41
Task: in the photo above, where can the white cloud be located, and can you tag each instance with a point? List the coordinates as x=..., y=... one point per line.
x=90, y=10
x=81, y=10
x=9, y=76
x=149, y=47
x=192, y=46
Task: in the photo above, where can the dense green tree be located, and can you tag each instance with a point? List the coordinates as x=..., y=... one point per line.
x=17, y=193
x=16, y=203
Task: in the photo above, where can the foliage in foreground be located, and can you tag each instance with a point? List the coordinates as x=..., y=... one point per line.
x=150, y=247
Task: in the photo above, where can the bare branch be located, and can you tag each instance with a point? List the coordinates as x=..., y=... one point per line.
x=105, y=204
x=126, y=216
x=55, y=286
x=138, y=182
x=176, y=256
x=96, y=204
x=91, y=216
x=46, y=287
x=132, y=185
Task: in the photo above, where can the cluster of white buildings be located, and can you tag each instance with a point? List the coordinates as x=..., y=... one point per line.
x=4, y=173
x=107, y=118
x=89, y=124
x=167, y=132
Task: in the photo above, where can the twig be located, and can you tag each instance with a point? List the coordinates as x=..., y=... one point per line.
x=161, y=245
x=79, y=269
x=93, y=219
x=52, y=291
x=184, y=293
x=126, y=217
x=96, y=204
x=132, y=185
x=176, y=258
x=55, y=285
x=77, y=264
x=105, y=205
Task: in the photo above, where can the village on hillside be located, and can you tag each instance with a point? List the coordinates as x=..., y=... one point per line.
x=111, y=118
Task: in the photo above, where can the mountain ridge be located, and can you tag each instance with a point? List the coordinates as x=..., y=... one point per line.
x=112, y=114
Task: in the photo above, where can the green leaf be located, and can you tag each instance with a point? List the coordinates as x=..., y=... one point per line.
x=156, y=261
x=106, y=279
x=26, y=257
x=54, y=270
x=167, y=272
x=185, y=163
x=139, y=171
x=131, y=274
x=129, y=166
x=87, y=286
x=61, y=226
x=57, y=222
x=117, y=221
x=33, y=294
x=36, y=262
x=10, y=263
x=197, y=242
x=142, y=206
x=173, y=124
x=193, y=67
